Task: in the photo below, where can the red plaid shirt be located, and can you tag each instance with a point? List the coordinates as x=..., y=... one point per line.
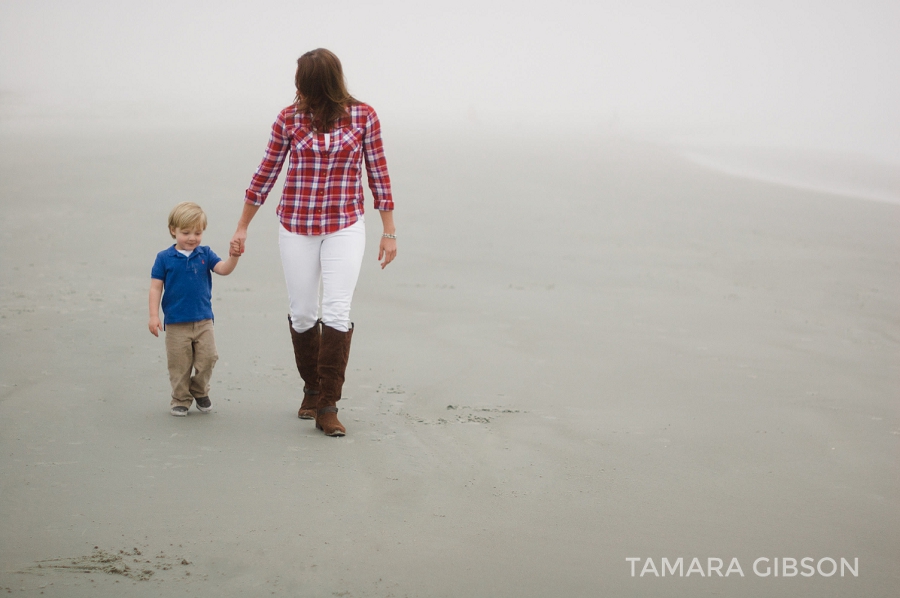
x=323, y=192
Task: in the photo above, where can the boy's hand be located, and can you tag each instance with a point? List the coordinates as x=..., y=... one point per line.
x=234, y=249
x=155, y=325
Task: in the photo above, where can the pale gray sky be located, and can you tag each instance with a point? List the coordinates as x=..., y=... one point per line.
x=807, y=73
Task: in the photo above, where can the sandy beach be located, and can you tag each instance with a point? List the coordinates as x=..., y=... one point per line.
x=586, y=352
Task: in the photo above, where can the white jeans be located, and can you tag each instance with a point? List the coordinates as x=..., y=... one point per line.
x=334, y=260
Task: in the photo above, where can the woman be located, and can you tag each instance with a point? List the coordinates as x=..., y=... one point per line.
x=328, y=135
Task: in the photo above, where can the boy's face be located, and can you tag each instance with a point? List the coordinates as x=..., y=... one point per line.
x=187, y=239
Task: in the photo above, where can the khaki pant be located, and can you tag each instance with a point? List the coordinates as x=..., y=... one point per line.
x=191, y=349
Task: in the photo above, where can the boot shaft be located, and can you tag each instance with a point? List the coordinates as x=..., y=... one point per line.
x=306, y=353
x=334, y=353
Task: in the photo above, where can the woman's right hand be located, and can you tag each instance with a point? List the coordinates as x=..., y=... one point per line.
x=239, y=238
x=240, y=235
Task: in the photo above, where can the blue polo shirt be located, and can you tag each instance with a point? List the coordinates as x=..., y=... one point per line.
x=187, y=283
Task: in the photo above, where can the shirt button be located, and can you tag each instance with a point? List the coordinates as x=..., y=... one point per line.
x=321, y=191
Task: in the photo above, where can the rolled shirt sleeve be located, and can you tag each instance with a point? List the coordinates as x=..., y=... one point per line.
x=376, y=164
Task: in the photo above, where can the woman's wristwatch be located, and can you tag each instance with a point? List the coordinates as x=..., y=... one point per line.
x=387, y=236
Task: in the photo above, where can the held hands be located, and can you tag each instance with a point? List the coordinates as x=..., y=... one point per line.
x=236, y=247
x=226, y=267
x=387, y=251
x=155, y=325
x=387, y=248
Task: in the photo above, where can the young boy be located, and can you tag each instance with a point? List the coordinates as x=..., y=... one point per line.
x=183, y=271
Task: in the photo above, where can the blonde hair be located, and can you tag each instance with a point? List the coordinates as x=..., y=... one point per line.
x=186, y=215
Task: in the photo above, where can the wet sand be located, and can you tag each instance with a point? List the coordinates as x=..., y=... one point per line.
x=828, y=171
x=583, y=354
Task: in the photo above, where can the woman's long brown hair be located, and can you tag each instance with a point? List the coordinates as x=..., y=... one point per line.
x=321, y=91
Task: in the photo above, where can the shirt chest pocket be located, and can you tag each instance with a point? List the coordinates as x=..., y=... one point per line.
x=304, y=141
x=348, y=140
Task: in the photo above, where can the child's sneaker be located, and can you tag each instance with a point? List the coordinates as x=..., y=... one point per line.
x=179, y=411
x=203, y=404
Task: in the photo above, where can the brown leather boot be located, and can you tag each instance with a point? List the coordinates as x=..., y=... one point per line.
x=306, y=355
x=334, y=351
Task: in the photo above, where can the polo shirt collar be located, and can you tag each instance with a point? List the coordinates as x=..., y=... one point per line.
x=175, y=253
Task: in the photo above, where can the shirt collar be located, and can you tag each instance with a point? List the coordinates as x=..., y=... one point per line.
x=174, y=252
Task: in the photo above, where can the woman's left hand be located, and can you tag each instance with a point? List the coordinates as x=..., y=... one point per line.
x=387, y=251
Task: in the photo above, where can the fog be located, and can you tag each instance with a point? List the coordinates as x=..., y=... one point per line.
x=816, y=74
x=643, y=305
